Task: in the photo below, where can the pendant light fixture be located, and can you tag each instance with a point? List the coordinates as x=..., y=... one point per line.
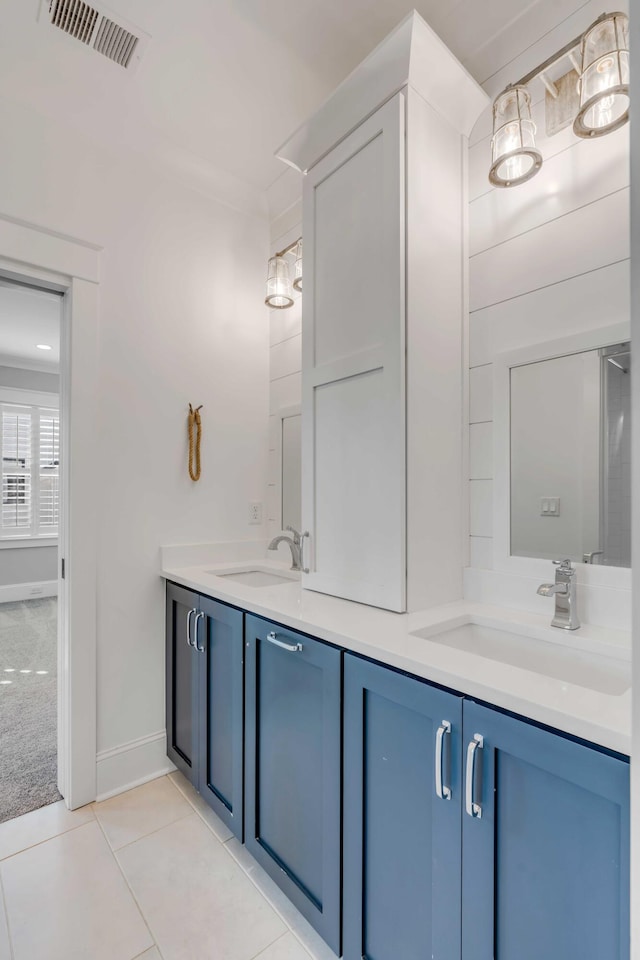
x=592, y=96
x=604, y=80
x=279, y=290
x=297, y=270
x=513, y=146
x=279, y=287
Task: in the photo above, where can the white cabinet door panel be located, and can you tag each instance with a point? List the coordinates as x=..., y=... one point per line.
x=353, y=360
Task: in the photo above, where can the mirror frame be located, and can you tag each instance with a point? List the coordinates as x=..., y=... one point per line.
x=535, y=567
x=282, y=414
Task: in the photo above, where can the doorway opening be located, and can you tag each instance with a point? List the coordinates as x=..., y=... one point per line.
x=30, y=525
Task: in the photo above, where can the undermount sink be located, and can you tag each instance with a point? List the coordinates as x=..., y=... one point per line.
x=597, y=673
x=255, y=578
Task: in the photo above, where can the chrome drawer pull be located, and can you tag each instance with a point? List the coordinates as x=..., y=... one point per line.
x=291, y=647
x=195, y=641
x=473, y=785
x=189, y=638
x=443, y=791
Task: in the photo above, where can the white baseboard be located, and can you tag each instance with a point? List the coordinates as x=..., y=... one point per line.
x=132, y=764
x=12, y=592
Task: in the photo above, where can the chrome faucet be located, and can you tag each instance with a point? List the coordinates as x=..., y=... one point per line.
x=295, y=545
x=564, y=590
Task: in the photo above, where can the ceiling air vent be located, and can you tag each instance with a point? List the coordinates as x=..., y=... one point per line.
x=98, y=28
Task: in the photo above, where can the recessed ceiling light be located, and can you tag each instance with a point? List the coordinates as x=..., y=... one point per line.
x=43, y=346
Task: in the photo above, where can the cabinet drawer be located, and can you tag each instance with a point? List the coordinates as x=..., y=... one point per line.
x=293, y=767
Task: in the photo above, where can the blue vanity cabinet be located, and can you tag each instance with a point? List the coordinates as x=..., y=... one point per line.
x=293, y=768
x=402, y=830
x=545, y=844
x=181, y=699
x=205, y=698
x=220, y=651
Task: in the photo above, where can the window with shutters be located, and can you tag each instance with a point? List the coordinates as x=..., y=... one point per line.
x=30, y=456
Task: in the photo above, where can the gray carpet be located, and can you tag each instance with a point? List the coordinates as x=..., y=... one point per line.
x=28, y=706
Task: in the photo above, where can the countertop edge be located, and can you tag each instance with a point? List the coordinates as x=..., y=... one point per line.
x=584, y=727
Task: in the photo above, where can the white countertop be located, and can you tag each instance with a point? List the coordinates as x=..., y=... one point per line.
x=601, y=718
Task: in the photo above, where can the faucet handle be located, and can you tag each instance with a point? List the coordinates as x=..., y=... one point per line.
x=296, y=535
x=564, y=566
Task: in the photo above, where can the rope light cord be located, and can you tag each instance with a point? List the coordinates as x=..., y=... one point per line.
x=195, y=427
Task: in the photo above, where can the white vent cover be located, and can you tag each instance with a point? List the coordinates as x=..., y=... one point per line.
x=98, y=28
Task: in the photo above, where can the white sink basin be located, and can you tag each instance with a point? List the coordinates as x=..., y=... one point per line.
x=600, y=674
x=255, y=578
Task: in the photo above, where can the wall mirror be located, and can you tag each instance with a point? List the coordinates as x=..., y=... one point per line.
x=289, y=466
x=570, y=456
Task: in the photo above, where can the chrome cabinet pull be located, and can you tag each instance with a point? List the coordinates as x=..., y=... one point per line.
x=199, y=615
x=443, y=791
x=473, y=784
x=291, y=647
x=190, y=640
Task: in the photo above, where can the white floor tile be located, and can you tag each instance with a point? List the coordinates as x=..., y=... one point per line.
x=212, y=820
x=301, y=927
x=67, y=900
x=286, y=948
x=39, y=825
x=140, y=811
x=196, y=899
x=152, y=954
x=5, y=947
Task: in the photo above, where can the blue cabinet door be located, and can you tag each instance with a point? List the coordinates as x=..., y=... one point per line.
x=402, y=857
x=181, y=681
x=220, y=649
x=545, y=844
x=293, y=767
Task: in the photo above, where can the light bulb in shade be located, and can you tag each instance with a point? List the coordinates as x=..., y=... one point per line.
x=43, y=346
x=279, y=290
x=604, y=81
x=297, y=279
x=515, y=157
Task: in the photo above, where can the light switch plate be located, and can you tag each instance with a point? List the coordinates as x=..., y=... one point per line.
x=550, y=507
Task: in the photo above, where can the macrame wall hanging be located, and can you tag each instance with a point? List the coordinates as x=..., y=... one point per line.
x=195, y=436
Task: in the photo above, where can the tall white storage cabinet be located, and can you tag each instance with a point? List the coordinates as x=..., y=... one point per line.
x=383, y=310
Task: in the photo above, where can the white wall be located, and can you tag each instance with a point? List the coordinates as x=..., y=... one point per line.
x=181, y=319
x=35, y=380
x=28, y=565
x=547, y=259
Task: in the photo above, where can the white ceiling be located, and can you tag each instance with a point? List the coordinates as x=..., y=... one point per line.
x=29, y=317
x=224, y=82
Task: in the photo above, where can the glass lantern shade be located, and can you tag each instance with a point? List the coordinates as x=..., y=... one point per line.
x=279, y=292
x=297, y=279
x=604, y=81
x=515, y=157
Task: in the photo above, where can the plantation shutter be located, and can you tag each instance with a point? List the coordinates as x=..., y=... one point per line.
x=30, y=453
x=17, y=481
x=49, y=466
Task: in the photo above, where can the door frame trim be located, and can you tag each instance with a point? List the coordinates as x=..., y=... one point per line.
x=33, y=254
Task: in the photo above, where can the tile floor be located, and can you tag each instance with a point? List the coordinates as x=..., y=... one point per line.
x=152, y=874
